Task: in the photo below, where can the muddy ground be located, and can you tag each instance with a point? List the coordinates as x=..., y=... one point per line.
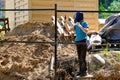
x=30, y=61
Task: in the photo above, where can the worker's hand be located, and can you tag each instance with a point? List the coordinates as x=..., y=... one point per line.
x=77, y=23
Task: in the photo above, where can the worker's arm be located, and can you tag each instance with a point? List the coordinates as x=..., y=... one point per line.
x=85, y=30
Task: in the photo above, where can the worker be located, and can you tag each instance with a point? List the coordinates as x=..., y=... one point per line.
x=81, y=28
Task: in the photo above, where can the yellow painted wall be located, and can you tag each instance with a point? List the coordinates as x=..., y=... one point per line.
x=92, y=18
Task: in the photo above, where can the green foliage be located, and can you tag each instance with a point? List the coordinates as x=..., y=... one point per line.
x=118, y=55
x=106, y=51
x=101, y=8
x=108, y=5
x=114, y=6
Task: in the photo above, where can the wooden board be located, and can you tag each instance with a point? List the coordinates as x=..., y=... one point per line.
x=60, y=29
x=84, y=77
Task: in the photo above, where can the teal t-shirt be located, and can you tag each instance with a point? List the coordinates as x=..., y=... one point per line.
x=80, y=35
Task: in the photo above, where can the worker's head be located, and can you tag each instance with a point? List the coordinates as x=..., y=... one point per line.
x=78, y=17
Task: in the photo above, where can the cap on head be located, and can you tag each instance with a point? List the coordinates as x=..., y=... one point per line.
x=78, y=16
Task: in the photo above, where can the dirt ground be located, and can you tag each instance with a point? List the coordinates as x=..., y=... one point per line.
x=30, y=61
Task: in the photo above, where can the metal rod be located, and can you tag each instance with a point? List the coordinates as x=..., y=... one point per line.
x=88, y=11
x=30, y=42
x=47, y=9
x=55, y=55
x=33, y=9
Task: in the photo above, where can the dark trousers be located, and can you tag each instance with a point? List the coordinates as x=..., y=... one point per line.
x=81, y=52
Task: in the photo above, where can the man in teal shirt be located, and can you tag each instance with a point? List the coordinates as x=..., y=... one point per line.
x=81, y=29
x=80, y=35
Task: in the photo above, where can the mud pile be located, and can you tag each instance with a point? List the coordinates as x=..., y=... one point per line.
x=30, y=61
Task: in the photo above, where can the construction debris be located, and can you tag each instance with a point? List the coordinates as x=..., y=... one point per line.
x=31, y=61
x=62, y=22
